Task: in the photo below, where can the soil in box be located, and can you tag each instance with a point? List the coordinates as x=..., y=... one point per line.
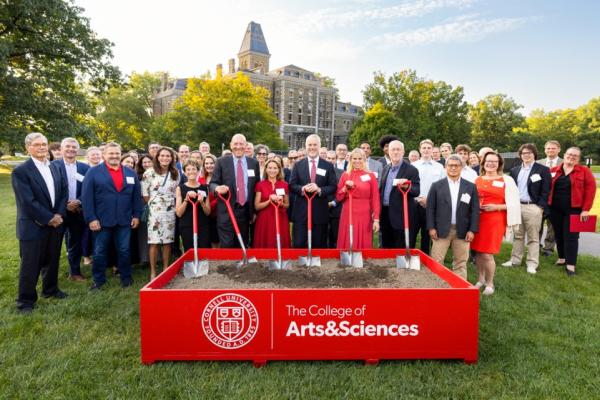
x=377, y=273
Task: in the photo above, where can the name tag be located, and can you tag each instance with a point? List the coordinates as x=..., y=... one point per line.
x=535, y=178
x=79, y=177
x=280, y=192
x=376, y=175
x=498, y=184
x=396, y=182
x=553, y=174
x=321, y=171
x=202, y=193
x=365, y=178
x=251, y=173
x=465, y=198
x=130, y=180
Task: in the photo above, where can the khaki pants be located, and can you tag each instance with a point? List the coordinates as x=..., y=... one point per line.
x=531, y=222
x=460, y=252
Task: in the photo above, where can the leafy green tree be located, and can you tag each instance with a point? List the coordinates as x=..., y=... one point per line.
x=213, y=110
x=493, y=120
x=47, y=52
x=426, y=108
x=377, y=122
x=125, y=112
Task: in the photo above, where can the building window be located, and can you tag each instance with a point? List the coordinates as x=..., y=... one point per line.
x=309, y=120
x=291, y=94
x=309, y=106
x=300, y=107
x=290, y=115
x=300, y=94
x=290, y=107
x=300, y=119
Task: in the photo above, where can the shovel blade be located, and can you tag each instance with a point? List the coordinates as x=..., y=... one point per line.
x=284, y=264
x=244, y=263
x=401, y=262
x=309, y=261
x=414, y=263
x=353, y=259
x=191, y=269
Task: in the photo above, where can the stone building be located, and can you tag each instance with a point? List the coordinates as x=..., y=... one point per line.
x=301, y=101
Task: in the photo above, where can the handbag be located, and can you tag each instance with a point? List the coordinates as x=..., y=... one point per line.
x=146, y=211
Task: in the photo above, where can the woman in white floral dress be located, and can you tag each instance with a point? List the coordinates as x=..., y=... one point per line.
x=158, y=188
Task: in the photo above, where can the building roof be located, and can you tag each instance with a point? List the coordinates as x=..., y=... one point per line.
x=254, y=40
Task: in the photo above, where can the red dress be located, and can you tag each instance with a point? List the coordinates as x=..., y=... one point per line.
x=492, y=224
x=264, y=227
x=365, y=208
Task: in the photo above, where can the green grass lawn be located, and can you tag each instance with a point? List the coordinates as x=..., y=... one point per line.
x=539, y=339
x=595, y=168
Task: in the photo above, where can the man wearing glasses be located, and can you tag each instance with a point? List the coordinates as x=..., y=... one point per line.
x=533, y=180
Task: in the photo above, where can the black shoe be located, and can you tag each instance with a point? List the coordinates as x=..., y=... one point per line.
x=59, y=294
x=570, y=273
x=25, y=310
x=95, y=287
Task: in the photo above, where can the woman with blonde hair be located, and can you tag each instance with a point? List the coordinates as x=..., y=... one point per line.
x=362, y=185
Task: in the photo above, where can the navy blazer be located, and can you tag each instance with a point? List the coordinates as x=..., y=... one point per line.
x=439, y=209
x=82, y=169
x=34, y=206
x=396, y=210
x=327, y=183
x=540, y=190
x=101, y=201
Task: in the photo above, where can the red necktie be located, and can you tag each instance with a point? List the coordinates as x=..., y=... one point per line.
x=239, y=182
x=313, y=171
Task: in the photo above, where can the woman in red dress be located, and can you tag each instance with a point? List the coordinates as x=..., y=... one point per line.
x=365, y=203
x=272, y=189
x=492, y=188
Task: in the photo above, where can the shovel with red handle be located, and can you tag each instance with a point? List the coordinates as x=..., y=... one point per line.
x=407, y=261
x=279, y=264
x=351, y=258
x=244, y=263
x=196, y=268
x=310, y=261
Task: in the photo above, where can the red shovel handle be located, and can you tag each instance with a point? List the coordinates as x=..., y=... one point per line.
x=309, y=199
x=404, y=192
x=276, y=205
x=225, y=198
x=194, y=203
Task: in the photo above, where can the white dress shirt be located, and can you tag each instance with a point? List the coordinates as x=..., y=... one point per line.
x=454, y=188
x=44, y=168
x=468, y=174
x=71, y=178
x=429, y=171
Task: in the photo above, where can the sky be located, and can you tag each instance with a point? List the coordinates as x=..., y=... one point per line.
x=542, y=53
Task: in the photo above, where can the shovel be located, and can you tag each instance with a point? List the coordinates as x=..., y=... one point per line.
x=196, y=268
x=351, y=258
x=407, y=261
x=279, y=264
x=310, y=261
x=245, y=260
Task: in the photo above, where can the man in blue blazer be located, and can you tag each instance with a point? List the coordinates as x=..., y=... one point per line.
x=41, y=199
x=312, y=174
x=112, y=205
x=73, y=173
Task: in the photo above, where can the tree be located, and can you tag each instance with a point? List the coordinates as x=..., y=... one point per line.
x=213, y=110
x=426, y=108
x=125, y=112
x=377, y=122
x=50, y=61
x=493, y=120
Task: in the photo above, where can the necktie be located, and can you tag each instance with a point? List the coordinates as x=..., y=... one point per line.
x=313, y=171
x=239, y=182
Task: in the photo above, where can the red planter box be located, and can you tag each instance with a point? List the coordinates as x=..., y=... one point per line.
x=308, y=324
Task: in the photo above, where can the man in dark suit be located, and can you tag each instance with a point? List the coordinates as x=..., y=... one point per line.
x=112, y=205
x=73, y=173
x=452, y=216
x=41, y=199
x=238, y=175
x=533, y=180
x=552, y=150
x=392, y=201
x=341, y=151
x=312, y=174
x=335, y=208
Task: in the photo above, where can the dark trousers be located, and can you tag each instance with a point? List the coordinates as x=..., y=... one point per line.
x=421, y=225
x=227, y=235
x=74, y=228
x=300, y=236
x=567, y=242
x=87, y=242
x=39, y=256
x=334, y=225
x=117, y=236
x=187, y=237
x=392, y=238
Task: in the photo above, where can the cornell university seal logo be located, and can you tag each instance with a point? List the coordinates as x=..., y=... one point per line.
x=230, y=321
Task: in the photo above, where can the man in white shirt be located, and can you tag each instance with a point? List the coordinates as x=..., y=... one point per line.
x=341, y=150
x=430, y=171
x=552, y=150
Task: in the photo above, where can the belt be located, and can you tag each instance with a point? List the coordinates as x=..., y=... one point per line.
x=527, y=202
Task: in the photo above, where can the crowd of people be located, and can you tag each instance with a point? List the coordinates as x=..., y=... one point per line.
x=122, y=208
